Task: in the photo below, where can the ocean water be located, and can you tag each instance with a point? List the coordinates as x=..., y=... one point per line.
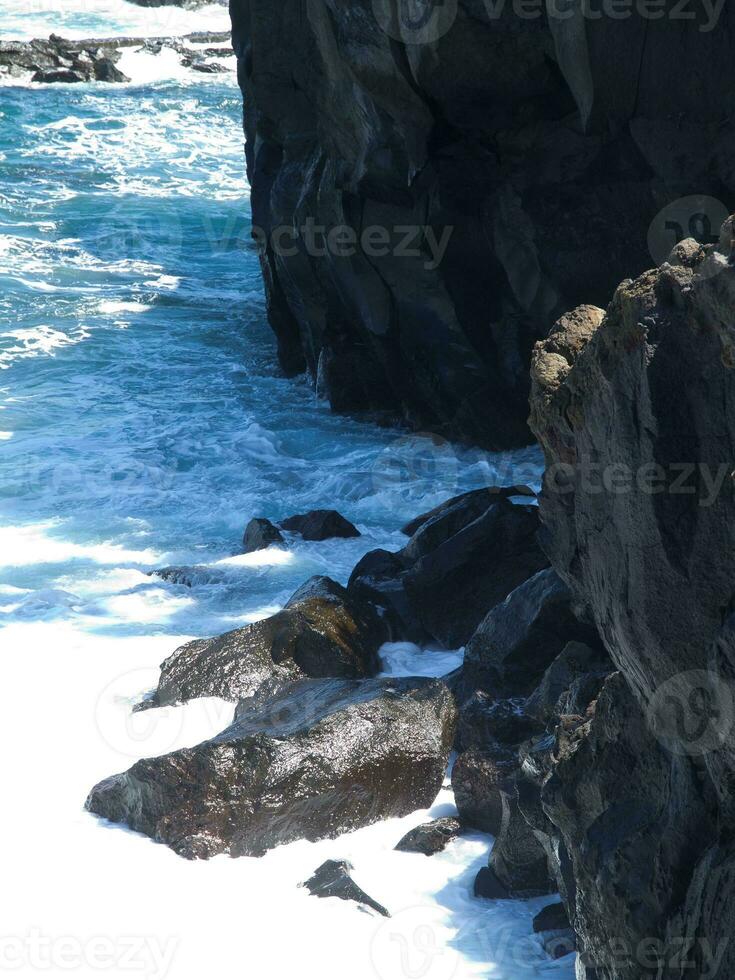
x=143, y=422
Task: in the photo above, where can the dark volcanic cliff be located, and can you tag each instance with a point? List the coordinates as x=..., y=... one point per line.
x=522, y=157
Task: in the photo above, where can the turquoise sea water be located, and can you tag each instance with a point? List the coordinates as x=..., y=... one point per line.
x=143, y=421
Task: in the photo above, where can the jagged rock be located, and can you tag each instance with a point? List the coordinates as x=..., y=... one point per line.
x=639, y=508
x=571, y=682
x=59, y=59
x=476, y=780
x=322, y=632
x=313, y=760
x=487, y=885
x=319, y=525
x=559, y=943
x=466, y=506
x=260, y=533
x=332, y=880
x=519, y=639
x=518, y=858
x=545, y=146
x=552, y=917
x=454, y=569
x=489, y=721
x=430, y=838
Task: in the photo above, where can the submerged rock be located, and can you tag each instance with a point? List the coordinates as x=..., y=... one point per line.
x=332, y=880
x=260, y=533
x=313, y=760
x=322, y=632
x=431, y=838
x=319, y=525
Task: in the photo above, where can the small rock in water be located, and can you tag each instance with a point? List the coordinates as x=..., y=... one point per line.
x=259, y=534
x=319, y=525
x=551, y=917
x=430, y=838
x=332, y=880
x=488, y=886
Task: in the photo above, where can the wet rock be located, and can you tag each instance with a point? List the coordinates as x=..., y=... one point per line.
x=430, y=838
x=520, y=638
x=322, y=632
x=319, y=525
x=487, y=885
x=454, y=569
x=59, y=59
x=571, y=682
x=313, y=760
x=518, y=858
x=466, y=506
x=551, y=918
x=476, y=780
x=260, y=533
x=559, y=943
x=188, y=575
x=332, y=880
x=489, y=721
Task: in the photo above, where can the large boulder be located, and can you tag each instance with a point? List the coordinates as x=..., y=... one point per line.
x=312, y=760
x=639, y=509
x=322, y=632
x=460, y=563
x=521, y=637
x=433, y=184
x=476, y=780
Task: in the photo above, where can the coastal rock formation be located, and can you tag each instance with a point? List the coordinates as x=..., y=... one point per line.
x=322, y=632
x=434, y=184
x=313, y=760
x=634, y=412
x=520, y=638
x=460, y=563
x=59, y=59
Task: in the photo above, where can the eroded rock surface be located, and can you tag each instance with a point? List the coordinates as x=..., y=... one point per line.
x=460, y=562
x=528, y=156
x=313, y=760
x=639, y=435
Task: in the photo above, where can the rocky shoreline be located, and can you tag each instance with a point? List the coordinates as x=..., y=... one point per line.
x=593, y=715
x=59, y=59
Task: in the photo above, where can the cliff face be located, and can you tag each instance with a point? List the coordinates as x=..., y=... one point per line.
x=432, y=190
x=636, y=413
